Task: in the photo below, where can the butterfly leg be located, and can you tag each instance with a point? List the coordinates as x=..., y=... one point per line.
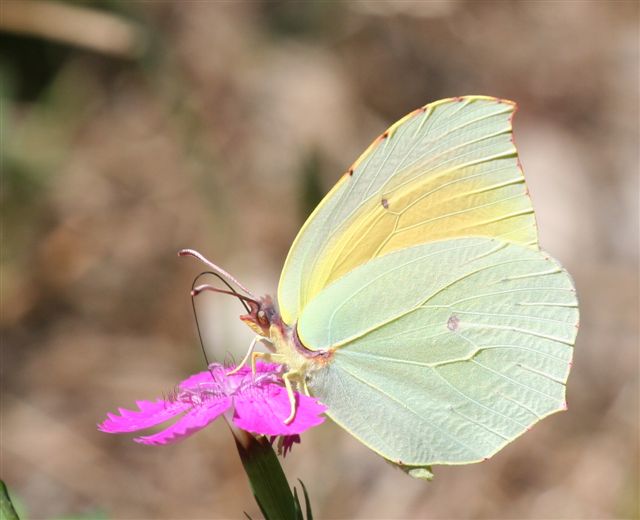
x=288, y=377
x=254, y=358
x=250, y=352
x=305, y=388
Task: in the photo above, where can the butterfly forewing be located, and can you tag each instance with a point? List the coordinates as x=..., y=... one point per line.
x=447, y=170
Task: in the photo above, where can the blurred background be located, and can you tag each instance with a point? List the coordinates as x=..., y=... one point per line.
x=133, y=129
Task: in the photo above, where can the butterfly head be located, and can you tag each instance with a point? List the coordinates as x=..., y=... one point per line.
x=262, y=314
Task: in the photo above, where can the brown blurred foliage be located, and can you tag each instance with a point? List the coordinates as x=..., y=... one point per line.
x=139, y=128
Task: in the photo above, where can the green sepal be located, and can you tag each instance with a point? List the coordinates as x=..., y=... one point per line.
x=267, y=479
x=306, y=500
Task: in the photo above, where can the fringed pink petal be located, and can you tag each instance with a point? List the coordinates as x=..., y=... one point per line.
x=262, y=367
x=218, y=374
x=261, y=406
x=265, y=409
x=202, y=378
x=190, y=423
x=149, y=414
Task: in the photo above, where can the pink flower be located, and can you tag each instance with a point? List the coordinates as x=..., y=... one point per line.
x=259, y=402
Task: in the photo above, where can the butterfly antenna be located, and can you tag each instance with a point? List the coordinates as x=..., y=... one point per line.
x=194, y=293
x=206, y=287
x=218, y=270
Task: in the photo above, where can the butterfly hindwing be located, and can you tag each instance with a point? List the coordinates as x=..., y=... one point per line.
x=463, y=345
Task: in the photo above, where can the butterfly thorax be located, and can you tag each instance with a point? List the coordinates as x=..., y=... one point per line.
x=290, y=351
x=265, y=320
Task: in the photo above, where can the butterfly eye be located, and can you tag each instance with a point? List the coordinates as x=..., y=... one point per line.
x=262, y=318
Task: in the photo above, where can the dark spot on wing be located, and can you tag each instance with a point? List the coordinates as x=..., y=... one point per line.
x=385, y=203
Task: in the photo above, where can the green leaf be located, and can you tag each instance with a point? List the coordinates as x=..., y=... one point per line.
x=7, y=511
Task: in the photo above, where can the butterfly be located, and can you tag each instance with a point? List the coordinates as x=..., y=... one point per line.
x=415, y=302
